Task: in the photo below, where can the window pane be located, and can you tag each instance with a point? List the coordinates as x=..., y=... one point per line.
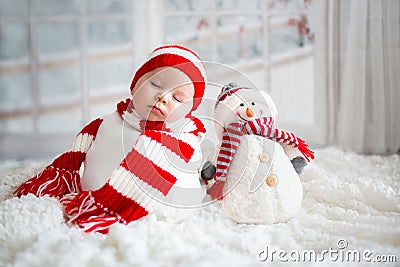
x=240, y=21
x=285, y=35
x=191, y=31
x=21, y=125
x=285, y=4
x=113, y=75
x=239, y=38
x=192, y=5
x=184, y=29
x=14, y=8
x=57, y=38
x=58, y=85
x=65, y=121
x=254, y=44
x=109, y=6
x=202, y=49
x=56, y=7
x=239, y=5
x=14, y=41
x=15, y=91
x=102, y=34
x=228, y=49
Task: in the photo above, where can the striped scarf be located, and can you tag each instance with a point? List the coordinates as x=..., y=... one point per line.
x=135, y=188
x=231, y=138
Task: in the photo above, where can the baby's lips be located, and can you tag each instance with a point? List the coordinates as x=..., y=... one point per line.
x=159, y=109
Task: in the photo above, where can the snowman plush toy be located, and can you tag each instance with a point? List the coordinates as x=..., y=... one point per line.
x=258, y=165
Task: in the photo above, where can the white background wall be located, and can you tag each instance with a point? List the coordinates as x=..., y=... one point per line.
x=71, y=61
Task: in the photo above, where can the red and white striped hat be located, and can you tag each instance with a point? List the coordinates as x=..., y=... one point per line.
x=228, y=90
x=181, y=58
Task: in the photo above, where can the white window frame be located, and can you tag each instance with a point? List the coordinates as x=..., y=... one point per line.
x=267, y=60
x=147, y=18
x=34, y=65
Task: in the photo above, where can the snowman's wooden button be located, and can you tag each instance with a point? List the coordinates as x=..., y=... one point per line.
x=263, y=157
x=272, y=180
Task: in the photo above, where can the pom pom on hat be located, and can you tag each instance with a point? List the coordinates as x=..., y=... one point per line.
x=181, y=58
x=228, y=90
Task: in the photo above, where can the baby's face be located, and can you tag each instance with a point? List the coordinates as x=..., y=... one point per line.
x=164, y=94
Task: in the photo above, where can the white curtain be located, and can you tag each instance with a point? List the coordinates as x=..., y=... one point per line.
x=361, y=73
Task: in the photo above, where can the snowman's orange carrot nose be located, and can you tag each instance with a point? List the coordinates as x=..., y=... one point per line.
x=249, y=112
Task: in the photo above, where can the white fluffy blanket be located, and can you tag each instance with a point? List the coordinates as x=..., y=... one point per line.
x=348, y=198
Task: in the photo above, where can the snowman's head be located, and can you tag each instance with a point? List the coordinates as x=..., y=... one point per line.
x=237, y=103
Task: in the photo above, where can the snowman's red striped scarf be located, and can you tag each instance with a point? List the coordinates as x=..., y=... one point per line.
x=263, y=126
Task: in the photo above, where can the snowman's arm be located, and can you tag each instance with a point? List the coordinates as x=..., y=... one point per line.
x=208, y=171
x=295, y=156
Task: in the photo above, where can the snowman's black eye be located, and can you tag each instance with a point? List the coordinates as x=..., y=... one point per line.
x=253, y=103
x=242, y=104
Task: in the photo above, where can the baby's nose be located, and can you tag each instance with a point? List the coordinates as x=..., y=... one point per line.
x=249, y=112
x=163, y=99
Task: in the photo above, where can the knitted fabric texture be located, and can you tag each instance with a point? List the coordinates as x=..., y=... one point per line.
x=229, y=90
x=145, y=173
x=231, y=137
x=181, y=58
x=62, y=176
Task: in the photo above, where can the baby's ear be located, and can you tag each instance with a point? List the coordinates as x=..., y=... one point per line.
x=132, y=91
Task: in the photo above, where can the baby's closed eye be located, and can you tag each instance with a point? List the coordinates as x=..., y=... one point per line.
x=178, y=98
x=155, y=84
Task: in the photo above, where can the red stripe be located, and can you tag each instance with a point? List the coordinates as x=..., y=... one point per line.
x=269, y=131
x=123, y=106
x=153, y=125
x=199, y=126
x=179, y=147
x=276, y=134
x=70, y=161
x=279, y=135
x=282, y=135
x=226, y=152
x=99, y=224
x=253, y=127
x=219, y=174
x=92, y=127
x=223, y=159
x=294, y=139
x=148, y=172
x=230, y=139
x=116, y=203
x=228, y=146
x=291, y=138
x=234, y=131
x=268, y=121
